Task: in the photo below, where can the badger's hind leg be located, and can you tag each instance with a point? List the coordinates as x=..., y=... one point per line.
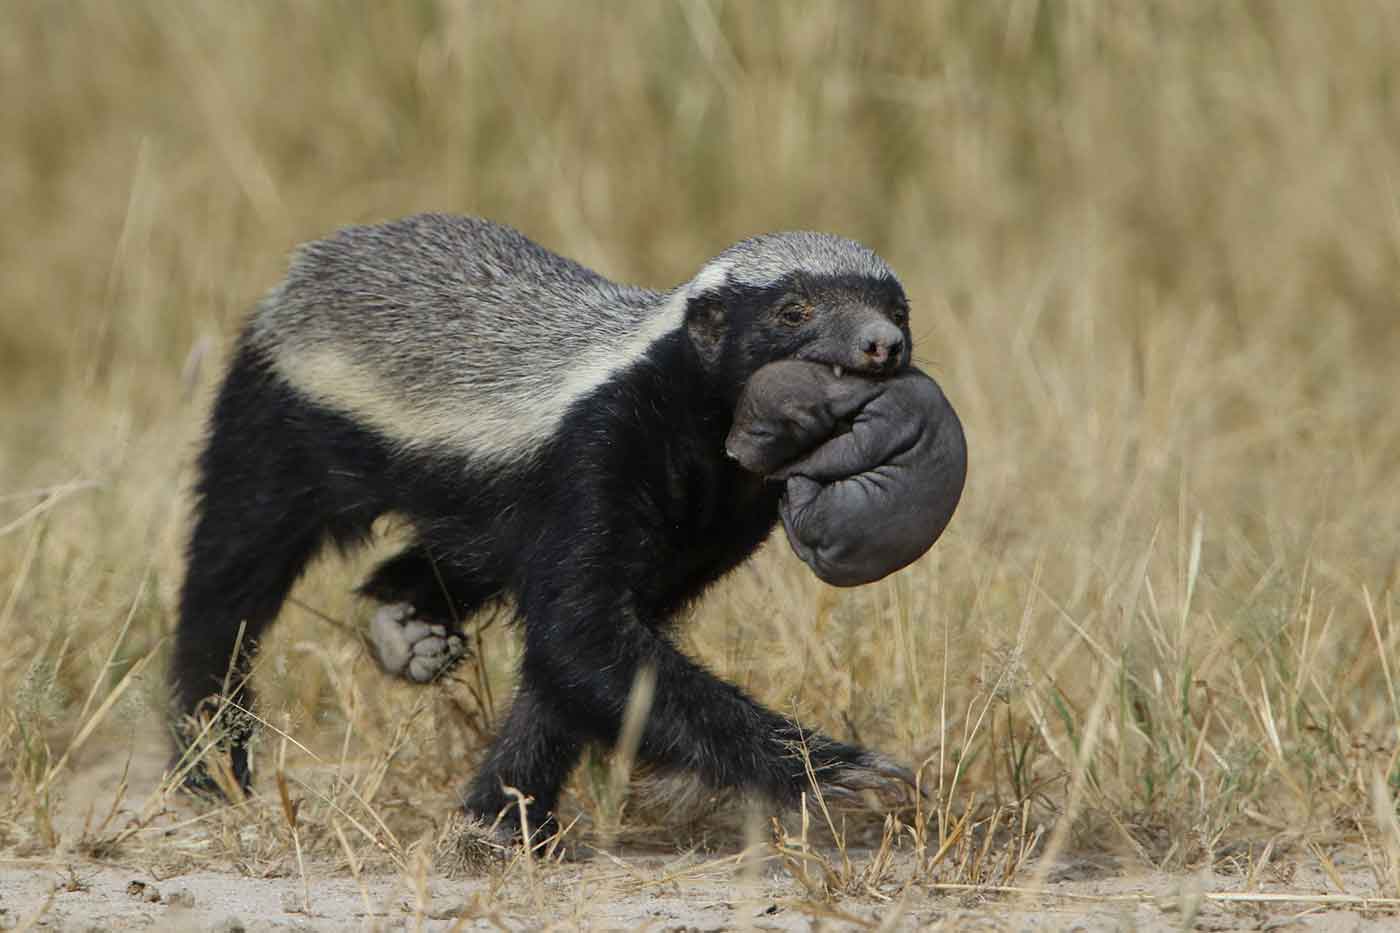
x=417, y=633
x=263, y=508
x=239, y=572
x=405, y=645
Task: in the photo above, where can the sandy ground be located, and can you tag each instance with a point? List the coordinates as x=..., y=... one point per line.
x=632, y=895
x=634, y=890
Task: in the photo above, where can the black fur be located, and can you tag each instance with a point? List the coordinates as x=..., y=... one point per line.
x=623, y=518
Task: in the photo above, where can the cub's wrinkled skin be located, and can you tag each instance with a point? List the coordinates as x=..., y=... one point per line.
x=873, y=468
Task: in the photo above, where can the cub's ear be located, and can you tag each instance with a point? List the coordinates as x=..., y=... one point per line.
x=707, y=321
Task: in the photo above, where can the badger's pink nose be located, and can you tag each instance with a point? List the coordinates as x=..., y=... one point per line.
x=882, y=344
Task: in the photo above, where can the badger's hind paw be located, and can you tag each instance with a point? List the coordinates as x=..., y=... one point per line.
x=408, y=647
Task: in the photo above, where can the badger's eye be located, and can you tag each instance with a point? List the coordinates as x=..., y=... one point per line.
x=901, y=313
x=794, y=313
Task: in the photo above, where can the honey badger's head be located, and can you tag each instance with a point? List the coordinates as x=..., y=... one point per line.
x=806, y=296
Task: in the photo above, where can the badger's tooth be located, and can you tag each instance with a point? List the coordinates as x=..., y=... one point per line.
x=837, y=371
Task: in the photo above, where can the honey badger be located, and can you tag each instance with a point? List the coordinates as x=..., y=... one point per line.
x=553, y=439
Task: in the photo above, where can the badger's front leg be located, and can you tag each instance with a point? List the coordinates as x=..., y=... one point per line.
x=584, y=647
x=535, y=749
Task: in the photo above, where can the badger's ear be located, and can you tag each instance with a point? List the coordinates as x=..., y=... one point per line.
x=707, y=322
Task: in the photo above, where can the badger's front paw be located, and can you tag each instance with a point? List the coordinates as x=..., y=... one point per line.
x=870, y=772
x=408, y=647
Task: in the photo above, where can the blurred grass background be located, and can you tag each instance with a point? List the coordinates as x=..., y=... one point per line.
x=1153, y=251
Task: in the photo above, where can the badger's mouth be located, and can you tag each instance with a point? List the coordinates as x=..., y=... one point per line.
x=867, y=369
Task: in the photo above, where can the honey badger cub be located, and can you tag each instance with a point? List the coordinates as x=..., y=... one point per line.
x=873, y=468
x=553, y=439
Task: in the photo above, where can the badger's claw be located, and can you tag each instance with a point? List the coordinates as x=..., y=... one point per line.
x=405, y=646
x=897, y=772
x=839, y=794
x=873, y=773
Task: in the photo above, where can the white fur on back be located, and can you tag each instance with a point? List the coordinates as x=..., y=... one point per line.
x=452, y=332
x=490, y=425
x=458, y=333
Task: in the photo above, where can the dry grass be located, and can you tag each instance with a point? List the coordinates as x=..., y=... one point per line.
x=1154, y=254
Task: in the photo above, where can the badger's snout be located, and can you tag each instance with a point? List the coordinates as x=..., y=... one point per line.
x=881, y=345
x=865, y=343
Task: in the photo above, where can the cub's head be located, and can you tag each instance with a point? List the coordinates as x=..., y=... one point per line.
x=805, y=296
